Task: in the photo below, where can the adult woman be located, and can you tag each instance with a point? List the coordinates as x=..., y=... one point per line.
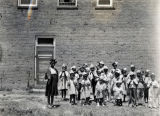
x=52, y=82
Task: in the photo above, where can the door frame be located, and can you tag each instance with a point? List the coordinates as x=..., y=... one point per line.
x=36, y=55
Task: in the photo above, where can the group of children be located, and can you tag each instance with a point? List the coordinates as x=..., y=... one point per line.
x=99, y=84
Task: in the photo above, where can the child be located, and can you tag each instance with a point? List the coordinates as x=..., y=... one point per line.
x=63, y=78
x=147, y=79
x=72, y=88
x=118, y=94
x=100, y=88
x=125, y=90
x=93, y=79
x=107, y=81
x=79, y=80
x=117, y=78
x=153, y=92
x=85, y=90
x=132, y=85
x=140, y=88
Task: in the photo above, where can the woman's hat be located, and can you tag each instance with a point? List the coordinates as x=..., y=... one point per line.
x=53, y=61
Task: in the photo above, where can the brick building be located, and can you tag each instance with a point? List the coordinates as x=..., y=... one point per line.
x=75, y=32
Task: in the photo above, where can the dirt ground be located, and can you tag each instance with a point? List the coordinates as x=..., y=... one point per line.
x=22, y=103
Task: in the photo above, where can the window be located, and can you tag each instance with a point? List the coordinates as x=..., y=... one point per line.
x=27, y=3
x=104, y=4
x=67, y=4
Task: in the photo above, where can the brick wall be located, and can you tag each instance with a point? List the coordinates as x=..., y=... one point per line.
x=84, y=35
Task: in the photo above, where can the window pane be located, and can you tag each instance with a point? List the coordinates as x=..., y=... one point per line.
x=104, y=2
x=45, y=40
x=28, y=1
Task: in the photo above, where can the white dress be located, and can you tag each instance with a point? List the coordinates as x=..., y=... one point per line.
x=118, y=92
x=63, y=78
x=99, y=90
x=72, y=87
x=86, y=88
x=153, y=94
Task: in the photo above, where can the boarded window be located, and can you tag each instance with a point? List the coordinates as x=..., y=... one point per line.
x=67, y=2
x=28, y=2
x=104, y=2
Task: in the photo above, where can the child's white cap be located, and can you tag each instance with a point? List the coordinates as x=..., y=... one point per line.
x=101, y=62
x=138, y=71
x=91, y=66
x=118, y=71
x=64, y=65
x=73, y=67
x=152, y=75
x=71, y=72
x=87, y=69
x=105, y=67
x=116, y=63
x=148, y=70
x=84, y=73
x=132, y=66
x=125, y=69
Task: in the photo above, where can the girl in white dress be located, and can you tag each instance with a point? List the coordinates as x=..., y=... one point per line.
x=72, y=88
x=118, y=94
x=153, y=92
x=100, y=88
x=85, y=90
x=63, y=78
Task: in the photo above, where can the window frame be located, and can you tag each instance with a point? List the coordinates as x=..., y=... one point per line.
x=67, y=6
x=20, y=5
x=108, y=6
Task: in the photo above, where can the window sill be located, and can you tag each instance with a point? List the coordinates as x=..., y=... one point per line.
x=64, y=7
x=104, y=8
